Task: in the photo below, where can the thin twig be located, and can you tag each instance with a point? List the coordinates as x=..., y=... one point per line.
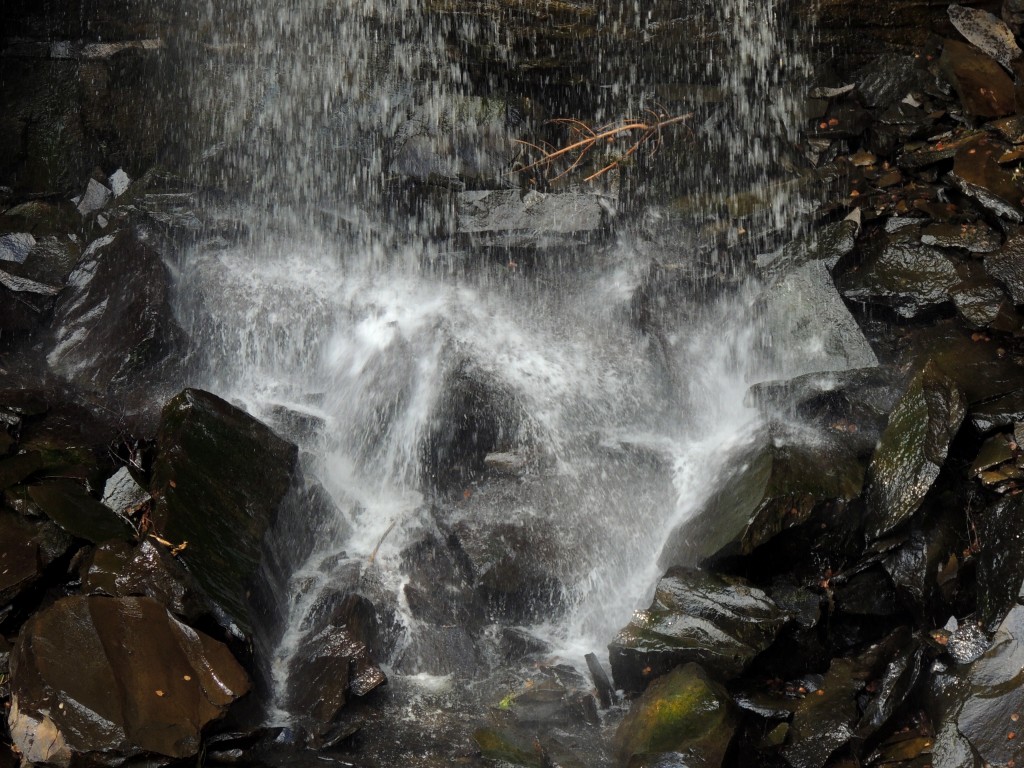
x=607, y=134
x=373, y=555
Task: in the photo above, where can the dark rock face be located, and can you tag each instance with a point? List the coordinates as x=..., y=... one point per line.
x=977, y=173
x=115, y=678
x=983, y=86
x=27, y=548
x=984, y=700
x=906, y=277
x=718, y=621
x=331, y=666
x=1007, y=266
x=474, y=418
x=113, y=323
x=69, y=505
x=774, y=487
x=512, y=566
x=218, y=481
x=1001, y=559
x=912, y=450
x=822, y=724
x=119, y=569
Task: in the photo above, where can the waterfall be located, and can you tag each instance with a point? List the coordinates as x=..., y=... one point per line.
x=399, y=351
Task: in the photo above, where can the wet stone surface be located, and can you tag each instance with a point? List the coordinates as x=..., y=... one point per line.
x=720, y=622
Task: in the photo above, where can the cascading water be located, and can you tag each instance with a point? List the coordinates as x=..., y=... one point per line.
x=398, y=352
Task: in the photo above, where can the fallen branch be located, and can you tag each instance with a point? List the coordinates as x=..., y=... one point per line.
x=639, y=132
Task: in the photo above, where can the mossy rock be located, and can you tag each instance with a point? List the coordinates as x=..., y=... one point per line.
x=218, y=481
x=684, y=712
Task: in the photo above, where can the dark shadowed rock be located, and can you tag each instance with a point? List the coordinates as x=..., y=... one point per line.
x=113, y=678
x=1001, y=559
x=976, y=238
x=771, y=488
x=27, y=548
x=218, y=480
x=513, y=566
x=909, y=278
x=983, y=304
x=114, y=321
x=899, y=679
x=67, y=503
x=912, y=450
x=330, y=667
x=986, y=699
x=984, y=88
x=1007, y=266
x=120, y=569
x=683, y=712
x=978, y=174
x=824, y=721
x=720, y=622
x=440, y=588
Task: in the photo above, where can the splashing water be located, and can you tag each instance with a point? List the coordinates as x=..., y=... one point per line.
x=351, y=309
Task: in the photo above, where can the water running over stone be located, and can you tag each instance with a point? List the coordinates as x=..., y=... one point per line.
x=546, y=384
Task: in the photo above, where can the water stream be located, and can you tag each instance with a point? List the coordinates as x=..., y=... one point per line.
x=397, y=351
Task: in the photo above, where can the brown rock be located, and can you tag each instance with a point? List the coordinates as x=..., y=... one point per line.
x=115, y=677
x=976, y=171
x=984, y=88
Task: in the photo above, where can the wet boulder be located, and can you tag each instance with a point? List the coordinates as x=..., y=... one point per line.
x=983, y=304
x=1007, y=266
x=553, y=696
x=801, y=305
x=218, y=481
x=120, y=569
x=441, y=650
x=805, y=309
x=909, y=278
x=978, y=174
x=27, y=548
x=721, y=622
x=976, y=237
x=984, y=88
x=69, y=504
x=113, y=322
x=684, y=713
x=476, y=416
x=912, y=450
x=851, y=406
x=113, y=678
x=439, y=589
x=1001, y=558
x=771, y=487
x=513, y=566
x=826, y=719
x=329, y=667
x=985, y=700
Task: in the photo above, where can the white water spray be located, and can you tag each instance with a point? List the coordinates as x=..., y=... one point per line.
x=333, y=317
